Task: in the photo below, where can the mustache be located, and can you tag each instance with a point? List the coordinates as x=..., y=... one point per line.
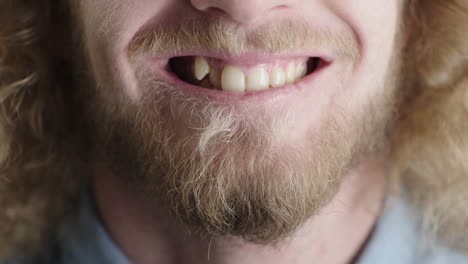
x=230, y=40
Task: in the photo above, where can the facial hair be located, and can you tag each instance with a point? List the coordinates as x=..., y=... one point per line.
x=222, y=170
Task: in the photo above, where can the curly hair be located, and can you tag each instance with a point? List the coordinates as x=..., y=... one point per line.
x=41, y=158
x=430, y=146
x=43, y=161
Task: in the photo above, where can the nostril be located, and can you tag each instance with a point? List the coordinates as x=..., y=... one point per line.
x=240, y=11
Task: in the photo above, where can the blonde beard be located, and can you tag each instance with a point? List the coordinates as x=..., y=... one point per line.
x=226, y=173
x=223, y=171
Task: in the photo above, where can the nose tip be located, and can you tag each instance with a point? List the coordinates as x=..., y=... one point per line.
x=242, y=11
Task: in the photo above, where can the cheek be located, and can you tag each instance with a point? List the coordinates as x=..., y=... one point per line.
x=378, y=23
x=108, y=26
x=374, y=22
x=116, y=21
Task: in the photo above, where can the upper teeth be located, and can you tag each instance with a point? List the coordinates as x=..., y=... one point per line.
x=277, y=77
x=257, y=79
x=233, y=79
x=201, y=68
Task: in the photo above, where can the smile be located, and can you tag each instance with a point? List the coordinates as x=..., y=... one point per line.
x=217, y=74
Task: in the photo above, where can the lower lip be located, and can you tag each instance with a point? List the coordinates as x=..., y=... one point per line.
x=271, y=94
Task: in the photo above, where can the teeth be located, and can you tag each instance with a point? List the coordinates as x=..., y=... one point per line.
x=277, y=77
x=257, y=79
x=201, y=68
x=290, y=73
x=232, y=79
x=301, y=70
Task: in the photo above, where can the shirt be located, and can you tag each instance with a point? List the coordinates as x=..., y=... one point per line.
x=397, y=239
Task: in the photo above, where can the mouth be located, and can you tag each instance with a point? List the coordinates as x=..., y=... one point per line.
x=216, y=74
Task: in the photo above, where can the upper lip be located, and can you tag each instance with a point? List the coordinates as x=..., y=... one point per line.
x=257, y=58
x=250, y=58
x=327, y=45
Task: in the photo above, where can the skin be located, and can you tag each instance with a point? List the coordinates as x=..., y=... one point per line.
x=146, y=233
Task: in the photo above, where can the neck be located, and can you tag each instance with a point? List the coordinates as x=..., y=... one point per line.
x=148, y=234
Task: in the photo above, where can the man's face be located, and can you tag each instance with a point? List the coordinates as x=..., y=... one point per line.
x=240, y=117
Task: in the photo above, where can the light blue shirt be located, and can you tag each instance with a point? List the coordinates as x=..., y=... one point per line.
x=395, y=240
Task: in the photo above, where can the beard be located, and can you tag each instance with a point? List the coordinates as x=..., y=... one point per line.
x=231, y=170
x=226, y=173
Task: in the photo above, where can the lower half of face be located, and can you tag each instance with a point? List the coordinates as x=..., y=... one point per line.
x=235, y=142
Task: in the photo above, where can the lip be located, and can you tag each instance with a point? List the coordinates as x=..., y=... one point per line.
x=251, y=58
x=160, y=67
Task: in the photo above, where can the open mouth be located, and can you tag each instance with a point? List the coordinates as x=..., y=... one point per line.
x=216, y=74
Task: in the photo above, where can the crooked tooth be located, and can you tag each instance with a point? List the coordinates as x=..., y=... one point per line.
x=232, y=79
x=257, y=79
x=201, y=68
x=277, y=77
x=290, y=73
x=301, y=70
